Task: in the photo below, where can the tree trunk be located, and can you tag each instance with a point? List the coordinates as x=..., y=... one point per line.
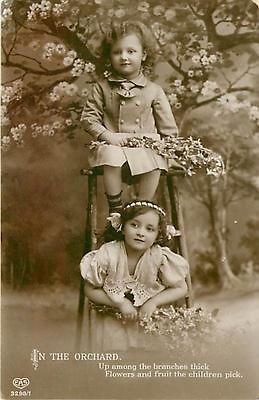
x=218, y=219
x=227, y=278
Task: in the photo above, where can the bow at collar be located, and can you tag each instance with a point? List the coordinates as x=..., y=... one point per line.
x=127, y=87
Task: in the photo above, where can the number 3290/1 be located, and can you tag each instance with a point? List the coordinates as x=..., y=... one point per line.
x=16, y=393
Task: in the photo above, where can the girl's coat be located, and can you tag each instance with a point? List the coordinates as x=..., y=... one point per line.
x=138, y=107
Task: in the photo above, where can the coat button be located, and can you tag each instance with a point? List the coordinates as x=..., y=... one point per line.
x=122, y=121
x=137, y=120
x=122, y=102
x=138, y=103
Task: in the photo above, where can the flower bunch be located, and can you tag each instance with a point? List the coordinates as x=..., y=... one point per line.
x=16, y=134
x=80, y=66
x=13, y=92
x=44, y=9
x=181, y=327
x=6, y=12
x=63, y=89
x=51, y=49
x=189, y=152
x=206, y=57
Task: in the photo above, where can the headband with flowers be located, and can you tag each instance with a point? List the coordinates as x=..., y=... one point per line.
x=142, y=203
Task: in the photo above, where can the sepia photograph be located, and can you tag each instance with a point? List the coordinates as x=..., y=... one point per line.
x=130, y=199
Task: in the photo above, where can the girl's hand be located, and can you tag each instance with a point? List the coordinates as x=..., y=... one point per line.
x=147, y=309
x=128, y=310
x=115, y=139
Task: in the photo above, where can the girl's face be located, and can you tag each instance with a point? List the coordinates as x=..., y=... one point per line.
x=127, y=55
x=141, y=231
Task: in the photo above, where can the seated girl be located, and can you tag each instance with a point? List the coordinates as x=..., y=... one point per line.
x=133, y=272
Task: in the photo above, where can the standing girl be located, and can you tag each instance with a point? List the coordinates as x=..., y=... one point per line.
x=124, y=105
x=134, y=273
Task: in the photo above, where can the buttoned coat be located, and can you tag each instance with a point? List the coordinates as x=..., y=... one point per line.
x=138, y=107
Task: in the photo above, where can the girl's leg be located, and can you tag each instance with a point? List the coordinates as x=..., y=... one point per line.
x=148, y=184
x=113, y=185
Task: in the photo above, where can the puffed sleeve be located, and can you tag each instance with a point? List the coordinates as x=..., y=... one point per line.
x=94, y=265
x=173, y=269
x=92, y=115
x=164, y=118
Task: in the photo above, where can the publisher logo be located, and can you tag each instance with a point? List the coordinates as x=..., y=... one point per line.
x=21, y=383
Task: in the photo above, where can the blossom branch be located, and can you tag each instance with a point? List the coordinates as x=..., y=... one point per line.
x=32, y=59
x=70, y=38
x=216, y=97
x=30, y=70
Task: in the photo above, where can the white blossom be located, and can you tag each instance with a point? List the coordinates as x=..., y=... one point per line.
x=51, y=132
x=57, y=125
x=254, y=113
x=49, y=46
x=84, y=92
x=198, y=72
x=203, y=52
x=71, y=54
x=89, y=67
x=213, y=58
x=209, y=88
x=47, y=56
x=76, y=71
x=177, y=82
x=75, y=11
x=158, y=10
x=57, y=9
x=71, y=89
x=230, y=102
x=60, y=48
x=204, y=60
x=44, y=14
x=143, y=6
x=45, y=5
x=172, y=98
x=120, y=13
x=6, y=15
x=67, y=61
x=54, y=96
x=170, y=14
x=196, y=59
x=38, y=130
x=110, y=13
x=22, y=127
x=194, y=88
x=68, y=122
x=6, y=140
x=61, y=86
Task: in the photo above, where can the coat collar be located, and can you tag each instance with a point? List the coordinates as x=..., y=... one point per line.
x=140, y=80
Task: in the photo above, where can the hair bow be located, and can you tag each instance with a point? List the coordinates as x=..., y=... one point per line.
x=171, y=231
x=115, y=220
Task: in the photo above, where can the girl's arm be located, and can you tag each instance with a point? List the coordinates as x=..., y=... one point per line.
x=92, y=119
x=98, y=296
x=167, y=296
x=92, y=115
x=163, y=115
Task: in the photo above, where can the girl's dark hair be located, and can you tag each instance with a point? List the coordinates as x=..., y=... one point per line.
x=127, y=214
x=117, y=31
